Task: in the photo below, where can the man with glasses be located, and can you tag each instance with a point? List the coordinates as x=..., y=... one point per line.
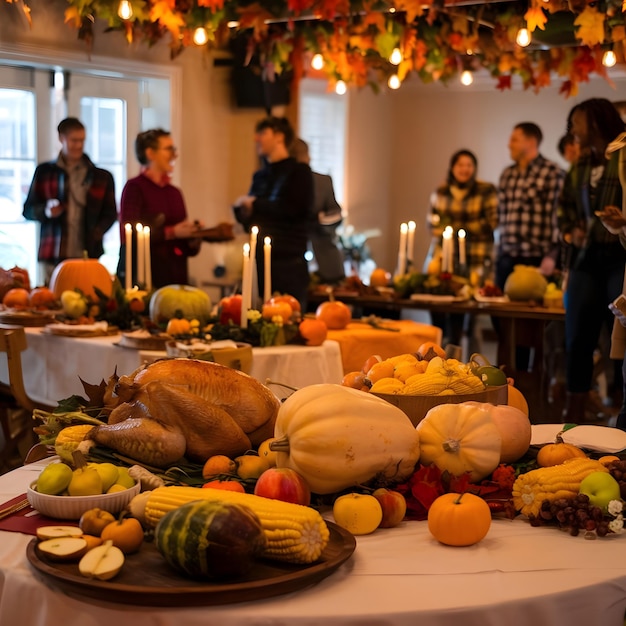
x=73, y=199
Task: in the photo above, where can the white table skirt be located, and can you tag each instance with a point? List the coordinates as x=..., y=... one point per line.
x=53, y=365
x=517, y=576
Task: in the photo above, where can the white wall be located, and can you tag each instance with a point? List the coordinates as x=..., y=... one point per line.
x=399, y=143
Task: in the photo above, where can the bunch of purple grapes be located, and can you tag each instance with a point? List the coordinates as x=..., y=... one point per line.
x=574, y=515
x=617, y=469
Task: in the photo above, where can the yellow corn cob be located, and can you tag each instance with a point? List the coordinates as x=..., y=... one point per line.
x=68, y=439
x=466, y=384
x=295, y=533
x=551, y=483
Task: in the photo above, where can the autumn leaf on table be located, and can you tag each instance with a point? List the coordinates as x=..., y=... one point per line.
x=535, y=18
x=590, y=25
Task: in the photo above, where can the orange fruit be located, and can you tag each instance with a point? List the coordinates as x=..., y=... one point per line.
x=380, y=278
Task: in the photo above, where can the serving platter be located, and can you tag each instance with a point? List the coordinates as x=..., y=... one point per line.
x=492, y=299
x=80, y=330
x=146, y=579
x=432, y=297
x=27, y=318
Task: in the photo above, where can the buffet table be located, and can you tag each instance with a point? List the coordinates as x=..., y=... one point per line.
x=52, y=364
x=518, y=576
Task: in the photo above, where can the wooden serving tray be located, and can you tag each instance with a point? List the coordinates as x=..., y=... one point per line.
x=146, y=579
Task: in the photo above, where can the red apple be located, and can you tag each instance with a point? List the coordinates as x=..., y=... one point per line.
x=283, y=483
x=230, y=310
x=393, y=505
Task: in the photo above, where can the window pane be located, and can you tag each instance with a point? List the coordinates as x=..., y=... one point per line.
x=18, y=237
x=105, y=119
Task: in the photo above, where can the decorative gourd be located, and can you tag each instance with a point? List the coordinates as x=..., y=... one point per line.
x=515, y=430
x=210, y=540
x=313, y=331
x=459, y=519
x=336, y=315
x=193, y=303
x=178, y=326
x=551, y=483
x=83, y=274
x=558, y=452
x=460, y=438
x=525, y=282
x=336, y=437
x=516, y=398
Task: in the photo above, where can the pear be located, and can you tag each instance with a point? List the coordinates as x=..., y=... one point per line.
x=108, y=472
x=124, y=478
x=102, y=562
x=86, y=481
x=54, y=479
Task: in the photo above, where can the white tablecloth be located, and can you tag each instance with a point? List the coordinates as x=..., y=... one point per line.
x=517, y=576
x=53, y=365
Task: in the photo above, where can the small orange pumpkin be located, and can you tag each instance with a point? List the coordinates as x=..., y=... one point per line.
x=290, y=300
x=429, y=350
x=313, y=331
x=178, y=326
x=83, y=274
x=42, y=298
x=558, y=452
x=517, y=399
x=277, y=309
x=16, y=298
x=459, y=519
x=335, y=314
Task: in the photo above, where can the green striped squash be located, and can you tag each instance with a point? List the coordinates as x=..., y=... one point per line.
x=210, y=540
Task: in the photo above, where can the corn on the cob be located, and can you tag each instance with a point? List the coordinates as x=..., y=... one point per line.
x=551, y=483
x=295, y=533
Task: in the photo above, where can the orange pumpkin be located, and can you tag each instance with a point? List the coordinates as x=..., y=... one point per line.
x=42, y=298
x=83, y=274
x=459, y=519
x=429, y=350
x=380, y=278
x=313, y=331
x=557, y=453
x=16, y=298
x=290, y=300
x=281, y=309
x=517, y=399
x=335, y=314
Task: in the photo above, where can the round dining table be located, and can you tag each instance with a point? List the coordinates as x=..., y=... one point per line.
x=516, y=576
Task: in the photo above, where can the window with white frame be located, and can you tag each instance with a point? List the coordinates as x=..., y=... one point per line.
x=322, y=124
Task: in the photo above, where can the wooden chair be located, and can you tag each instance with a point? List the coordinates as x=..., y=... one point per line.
x=13, y=396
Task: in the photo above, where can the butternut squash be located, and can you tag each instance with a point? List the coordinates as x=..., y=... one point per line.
x=336, y=437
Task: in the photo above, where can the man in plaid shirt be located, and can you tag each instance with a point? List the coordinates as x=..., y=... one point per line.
x=528, y=195
x=73, y=199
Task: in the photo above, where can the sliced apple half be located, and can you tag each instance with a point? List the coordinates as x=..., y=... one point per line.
x=63, y=548
x=102, y=562
x=52, y=532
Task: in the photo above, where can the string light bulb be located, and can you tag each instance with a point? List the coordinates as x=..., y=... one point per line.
x=395, y=58
x=609, y=59
x=523, y=37
x=467, y=78
x=125, y=9
x=394, y=82
x=200, y=36
x=317, y=62
x=340, y=88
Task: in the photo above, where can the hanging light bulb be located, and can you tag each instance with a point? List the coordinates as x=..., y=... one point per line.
x=395, y=58
x=340, y=88
x=609, y=59
x=317, y=62
x=394, y=82
x=125, y=9
x=200, y=36
x=523, y=37
x=467, y=78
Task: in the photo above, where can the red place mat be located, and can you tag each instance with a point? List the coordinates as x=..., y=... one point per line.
x=19, y=523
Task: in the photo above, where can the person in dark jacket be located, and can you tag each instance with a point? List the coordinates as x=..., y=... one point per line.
x=73, y=199
x=280, y=203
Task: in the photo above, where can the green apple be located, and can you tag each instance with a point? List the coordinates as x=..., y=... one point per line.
x=54, y=479
x=73, y=303
x=85, y=481
x=108, y=472
x=601, y=488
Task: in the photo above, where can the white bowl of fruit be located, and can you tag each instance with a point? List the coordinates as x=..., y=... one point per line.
x=64, y=493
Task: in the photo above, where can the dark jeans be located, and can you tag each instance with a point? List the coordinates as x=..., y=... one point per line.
x=588, y=297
